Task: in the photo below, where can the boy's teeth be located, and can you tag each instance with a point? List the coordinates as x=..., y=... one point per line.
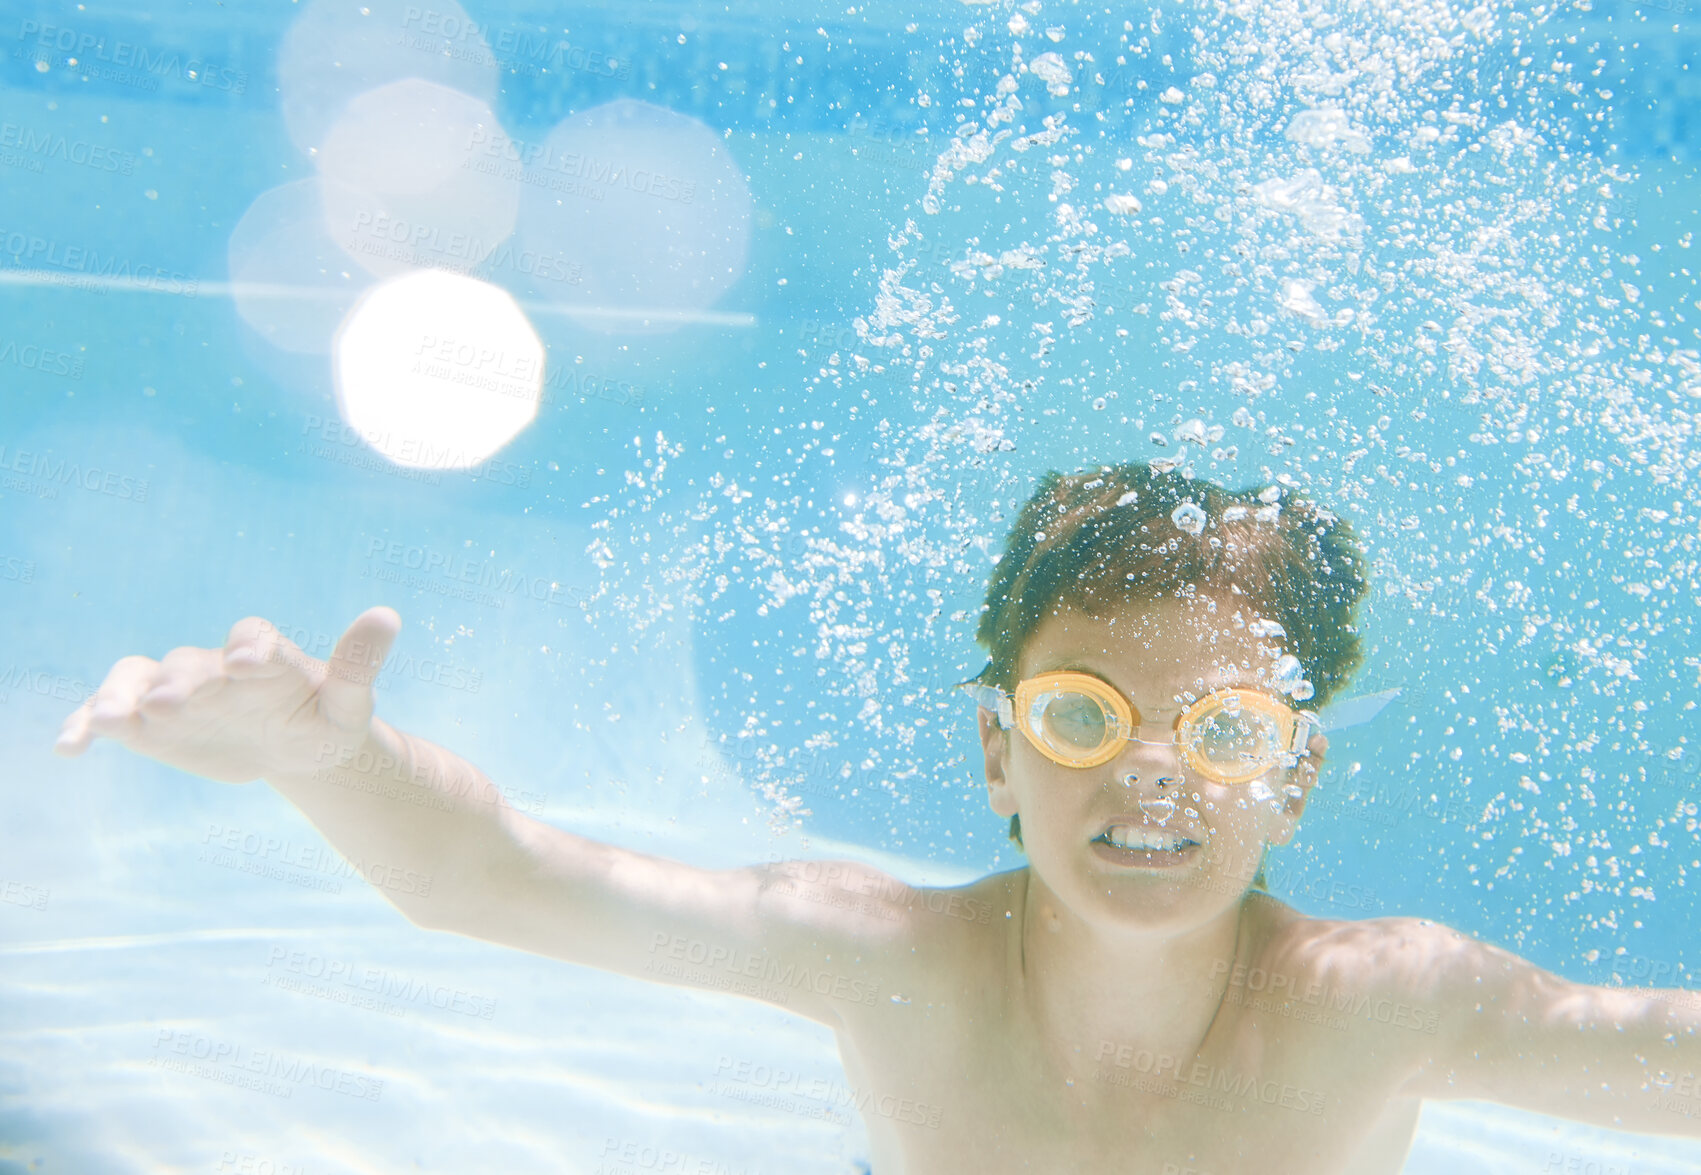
x=1128, y=837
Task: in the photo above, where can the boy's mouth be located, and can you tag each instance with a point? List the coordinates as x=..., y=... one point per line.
x=1141, y=844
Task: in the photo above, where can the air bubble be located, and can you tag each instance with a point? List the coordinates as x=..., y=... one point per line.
x=1199, y=433
x=1287, y=673
x=1188, y=516
x=1049, y=68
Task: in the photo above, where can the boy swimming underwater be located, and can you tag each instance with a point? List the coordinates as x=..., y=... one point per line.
x=1129, y=1001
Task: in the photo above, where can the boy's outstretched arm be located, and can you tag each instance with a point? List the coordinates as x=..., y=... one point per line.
x=1626, y=1058
x=442, y=846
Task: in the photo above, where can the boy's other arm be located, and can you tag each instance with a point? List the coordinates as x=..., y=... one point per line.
x=439, y=842
x=1510, y=1032
x=746, y=931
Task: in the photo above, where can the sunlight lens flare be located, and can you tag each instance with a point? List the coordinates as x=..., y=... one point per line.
x=438, y=371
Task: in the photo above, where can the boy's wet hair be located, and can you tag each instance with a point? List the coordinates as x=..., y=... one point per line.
x=1109, y=536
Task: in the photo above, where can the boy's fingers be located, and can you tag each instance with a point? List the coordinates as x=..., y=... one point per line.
x=183, y=671
x=111, y=712
x=354, y=665
x=74, y=734
x=255, y=648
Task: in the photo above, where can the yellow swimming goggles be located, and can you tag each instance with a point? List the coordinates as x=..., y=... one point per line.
x=1229, y=735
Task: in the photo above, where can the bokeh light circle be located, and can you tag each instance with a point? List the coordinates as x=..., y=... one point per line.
x=337, y=49
x=645, y=208
x=289, y=280
x=438, y=371
x=410, y=183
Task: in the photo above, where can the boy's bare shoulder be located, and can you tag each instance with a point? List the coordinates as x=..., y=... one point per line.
x=929, y=941
x=959, y=937
x=870, y=907
x=1413, y=958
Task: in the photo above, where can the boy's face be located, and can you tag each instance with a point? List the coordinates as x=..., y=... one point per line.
x=1160, y=655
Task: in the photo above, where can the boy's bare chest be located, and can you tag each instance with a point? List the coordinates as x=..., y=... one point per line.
x=952, y=1085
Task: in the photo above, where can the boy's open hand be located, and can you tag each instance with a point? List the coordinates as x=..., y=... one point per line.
x=257, y=707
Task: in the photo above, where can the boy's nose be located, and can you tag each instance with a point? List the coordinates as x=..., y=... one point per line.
x=1150, y=769
x=1132, y=779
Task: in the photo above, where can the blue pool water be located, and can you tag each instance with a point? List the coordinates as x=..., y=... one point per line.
x=1433, y=265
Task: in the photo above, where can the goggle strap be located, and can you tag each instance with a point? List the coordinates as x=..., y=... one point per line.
x=995, y=700
x=1303, y=728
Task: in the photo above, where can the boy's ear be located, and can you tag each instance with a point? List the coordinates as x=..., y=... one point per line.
x=1304, y=777
x=993, y=743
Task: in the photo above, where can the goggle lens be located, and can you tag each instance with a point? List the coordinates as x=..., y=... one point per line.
x=1234, y=739
x=1232, y=736
x=1072, y=724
